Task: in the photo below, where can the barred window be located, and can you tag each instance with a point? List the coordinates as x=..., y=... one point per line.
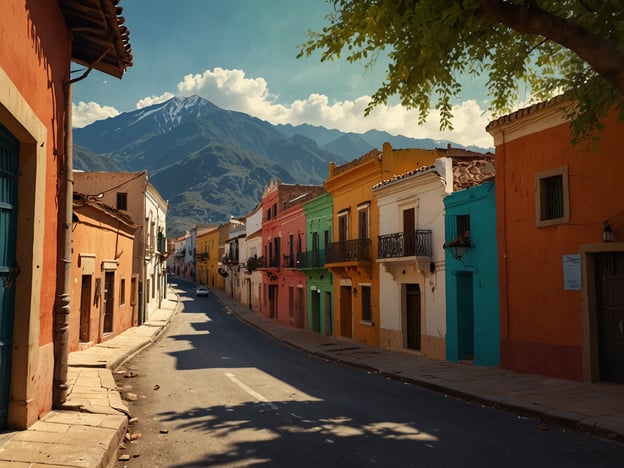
x=551, y=201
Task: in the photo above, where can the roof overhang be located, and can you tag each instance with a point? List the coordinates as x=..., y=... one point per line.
x=99, y=38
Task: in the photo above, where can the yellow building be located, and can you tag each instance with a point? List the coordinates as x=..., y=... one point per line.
x=352, y=255
x=208, y=259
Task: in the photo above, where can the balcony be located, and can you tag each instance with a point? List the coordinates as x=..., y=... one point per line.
x=231, y=258
x=409, y=244
x=311, y=259
x=355, y=250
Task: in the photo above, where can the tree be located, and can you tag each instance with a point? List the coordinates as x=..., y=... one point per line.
x=572, y=47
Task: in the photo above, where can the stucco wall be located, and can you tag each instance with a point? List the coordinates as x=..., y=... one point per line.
x=423, y=192
x=480, y=263
x=541, y=322
x=97, y=234
x=34, y=62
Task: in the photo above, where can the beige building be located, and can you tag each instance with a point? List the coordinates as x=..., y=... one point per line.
x=103, y=288
x=132, y=194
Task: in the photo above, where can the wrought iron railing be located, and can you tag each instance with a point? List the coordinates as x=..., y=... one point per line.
x=349, y=251
x=311, y=259
x=405, y=244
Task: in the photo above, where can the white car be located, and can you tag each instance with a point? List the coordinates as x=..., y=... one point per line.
x=201, y=291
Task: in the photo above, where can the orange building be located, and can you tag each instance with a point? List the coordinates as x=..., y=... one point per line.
x=561, y=301
x=352, y=255
x=39, y=41
x=104, y=290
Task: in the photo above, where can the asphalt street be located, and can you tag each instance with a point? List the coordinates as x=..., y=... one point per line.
x=213, y=391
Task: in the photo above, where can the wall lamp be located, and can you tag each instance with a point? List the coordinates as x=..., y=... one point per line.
x=459, y=245
x=607, y=232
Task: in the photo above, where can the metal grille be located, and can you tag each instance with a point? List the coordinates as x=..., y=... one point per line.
x=552, y=197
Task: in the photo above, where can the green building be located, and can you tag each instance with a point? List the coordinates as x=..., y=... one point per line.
x=320, y=281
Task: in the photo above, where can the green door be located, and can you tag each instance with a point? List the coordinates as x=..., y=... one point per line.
x=9, y=157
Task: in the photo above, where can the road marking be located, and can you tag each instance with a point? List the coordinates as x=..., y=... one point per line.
x=250, y=391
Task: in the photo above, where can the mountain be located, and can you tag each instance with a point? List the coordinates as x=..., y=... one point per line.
x=210, y=163
x=87, y=160
x=353, y=145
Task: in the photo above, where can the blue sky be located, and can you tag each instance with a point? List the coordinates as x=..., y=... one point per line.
x=241, y=55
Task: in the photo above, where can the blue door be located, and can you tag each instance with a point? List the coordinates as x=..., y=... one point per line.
x=9, y=158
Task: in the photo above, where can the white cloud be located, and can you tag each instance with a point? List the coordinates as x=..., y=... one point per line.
x=151, y=100
x=232, y=90
x=85, y=113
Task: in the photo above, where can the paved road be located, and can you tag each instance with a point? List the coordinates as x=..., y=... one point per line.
x=214, y=392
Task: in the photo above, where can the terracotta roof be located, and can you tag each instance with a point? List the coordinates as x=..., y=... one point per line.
x=557, y=100
x=99, y=38
x=372, y=154
x=394, y=178
x=81, y=200
x=468, y=173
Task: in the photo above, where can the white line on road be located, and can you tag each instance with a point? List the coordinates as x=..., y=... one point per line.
x=250, y=391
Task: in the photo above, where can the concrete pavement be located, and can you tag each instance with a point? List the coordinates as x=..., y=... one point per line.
x=92, y=424
x=89, y=429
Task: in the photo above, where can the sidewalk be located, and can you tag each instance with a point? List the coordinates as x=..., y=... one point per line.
x=93, y=423
x=89, y=428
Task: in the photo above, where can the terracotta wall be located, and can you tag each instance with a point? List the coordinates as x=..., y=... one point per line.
x=541, y=323
x=34, y=63
x=107, y=240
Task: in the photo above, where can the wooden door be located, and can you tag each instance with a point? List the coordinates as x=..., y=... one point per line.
x=610, y=315
x=346, y=312
x=109, y=300
x=412, y=316
x=85, y=308
x=409, y=232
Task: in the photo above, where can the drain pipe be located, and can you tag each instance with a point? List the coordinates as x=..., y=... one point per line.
x=62, y=307
x=63, y=266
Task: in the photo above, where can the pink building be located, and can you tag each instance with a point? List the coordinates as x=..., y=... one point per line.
x=283, y=239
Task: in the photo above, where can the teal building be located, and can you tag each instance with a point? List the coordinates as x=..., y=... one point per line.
x=472, y=308
x=320, y=281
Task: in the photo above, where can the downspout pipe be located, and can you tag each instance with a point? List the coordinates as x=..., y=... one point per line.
x=63, y=269
x=62, y=304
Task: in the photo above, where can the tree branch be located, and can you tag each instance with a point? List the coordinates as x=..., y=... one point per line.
x=599, y=53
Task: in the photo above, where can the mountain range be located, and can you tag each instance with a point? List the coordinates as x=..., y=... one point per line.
x=211, y=164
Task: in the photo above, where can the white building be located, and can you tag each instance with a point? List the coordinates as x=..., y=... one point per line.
x=251, y=255
x=411, y=239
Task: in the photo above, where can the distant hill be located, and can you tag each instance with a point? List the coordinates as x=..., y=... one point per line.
x=353, y=145
x=210, y=163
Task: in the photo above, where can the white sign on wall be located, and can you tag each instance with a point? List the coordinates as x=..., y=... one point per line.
x=572, y=280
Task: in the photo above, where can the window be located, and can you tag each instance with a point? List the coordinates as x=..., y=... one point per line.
x=551, y=198
x=363, y=221
x=343, y=225
x=315, y=241
x=463, y=225
x=367, y=306
x=122, y=201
